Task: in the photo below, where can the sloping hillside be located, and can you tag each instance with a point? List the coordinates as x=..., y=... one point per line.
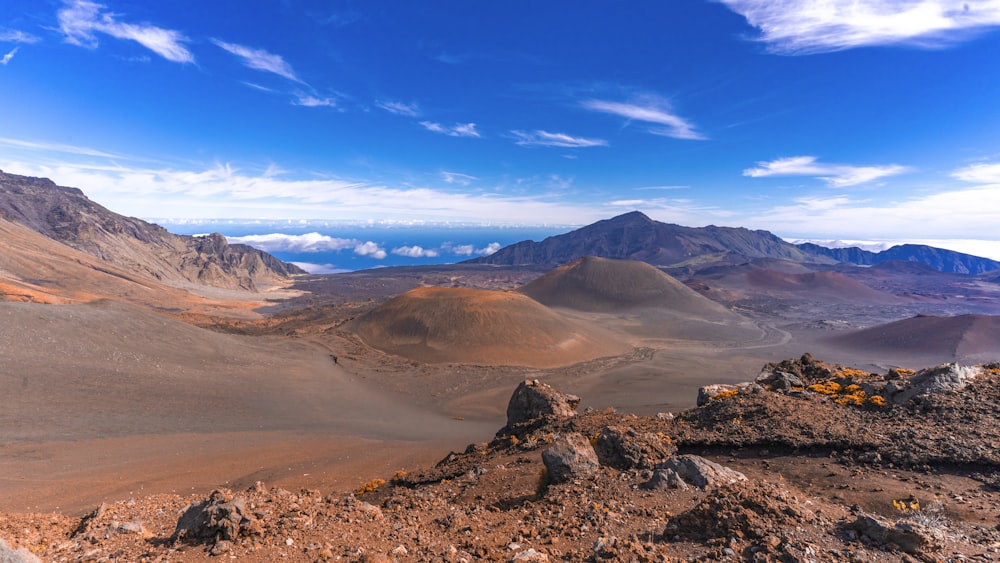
x=439, y=324
x=602, y=285
x=958, y=337
x=67, y=216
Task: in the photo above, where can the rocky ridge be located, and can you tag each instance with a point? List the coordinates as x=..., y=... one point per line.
x=66, y=215
x=634, y=236
x=808, y=462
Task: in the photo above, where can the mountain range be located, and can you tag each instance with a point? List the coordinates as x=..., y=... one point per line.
x=634, y=236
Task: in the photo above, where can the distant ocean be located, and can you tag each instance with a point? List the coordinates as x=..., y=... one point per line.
x=320, y=247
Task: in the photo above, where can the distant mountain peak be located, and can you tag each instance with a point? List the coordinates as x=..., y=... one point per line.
x=634, y=236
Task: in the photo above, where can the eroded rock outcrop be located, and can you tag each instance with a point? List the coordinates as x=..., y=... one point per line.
x=534, y=401
x=222, y=517
x=682, y=470
x=626, y=448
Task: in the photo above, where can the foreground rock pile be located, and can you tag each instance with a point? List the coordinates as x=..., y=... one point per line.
x=803, y=464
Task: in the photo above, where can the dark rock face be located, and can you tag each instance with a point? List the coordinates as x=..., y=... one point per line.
x=68, y=216
x=534, y=401
x=634, y=236
x=625, y=448
x=938, y=258
x=222, y=517
x=571, y=456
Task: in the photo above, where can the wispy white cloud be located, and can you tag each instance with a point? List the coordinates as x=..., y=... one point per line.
x=835, y=175
x=399, y=108
x=10, y=55
x=17, y=36
x=81, y=20
x=457, y=178
x=806, y=26
x=648, y=109
x=56, y=148
x=456, y=130
x=259, y=59
x=256, y=86
x=545, y=139
x=979, y=173
x=415, y=252
x=314, y=102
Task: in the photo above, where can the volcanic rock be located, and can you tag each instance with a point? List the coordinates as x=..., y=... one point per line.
x=571, y=456
x=533, y=400
x=699, y=471
x=627, y=448
x=940, y=379
x=222, y=517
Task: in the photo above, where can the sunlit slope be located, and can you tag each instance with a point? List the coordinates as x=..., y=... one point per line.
x=437, y=324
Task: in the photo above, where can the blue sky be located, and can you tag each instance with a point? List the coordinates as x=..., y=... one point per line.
x=836, y=120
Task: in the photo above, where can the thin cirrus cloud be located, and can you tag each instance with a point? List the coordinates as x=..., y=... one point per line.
x=81, y=20
x=314, y=101
x=797, y=27
x=456, y=130
x=652, y=110
x=540, y=138
x=835, y=175
x=17, y=36
x=259, y=59
x=399, y=108
x=457, y=178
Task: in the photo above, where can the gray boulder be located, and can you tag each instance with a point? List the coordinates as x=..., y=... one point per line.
x=626, y=448
x=941, y=379
x=570, y=456
x=220, y=518
x=778, y=380
x=697, y=471
x=533, y=400
x=19, y=555
x=665, y=479
x=908, y=537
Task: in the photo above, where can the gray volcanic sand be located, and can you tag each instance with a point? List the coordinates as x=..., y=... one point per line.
x=106, y=398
